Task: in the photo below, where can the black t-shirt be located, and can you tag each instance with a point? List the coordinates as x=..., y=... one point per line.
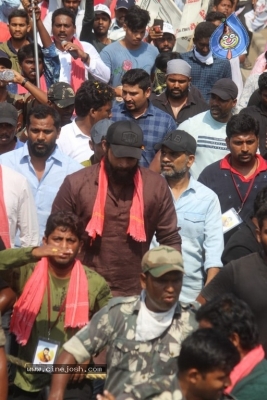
x=255, y=98
x=242, y=243
x=246, y=278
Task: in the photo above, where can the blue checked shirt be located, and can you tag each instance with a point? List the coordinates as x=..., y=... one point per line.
x=204, y=76
x=154, y=123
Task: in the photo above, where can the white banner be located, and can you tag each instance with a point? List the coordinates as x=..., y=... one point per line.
x=194, y=12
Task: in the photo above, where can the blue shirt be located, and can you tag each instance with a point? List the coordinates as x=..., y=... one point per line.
x=204, y=76
x=199, y=216
x=154, y=123
x=18, y=144
x=58, y=166
x=119, y=59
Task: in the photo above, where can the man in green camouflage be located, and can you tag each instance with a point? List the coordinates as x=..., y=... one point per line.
x=143, y=334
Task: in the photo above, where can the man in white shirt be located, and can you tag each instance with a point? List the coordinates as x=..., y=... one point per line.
x=72, y=5
x=20, y=208
x=209, y=127
x=93, y=102
x=84, y=59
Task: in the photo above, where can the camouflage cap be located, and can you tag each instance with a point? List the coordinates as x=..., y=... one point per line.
x=162, y=259
x=61, y=94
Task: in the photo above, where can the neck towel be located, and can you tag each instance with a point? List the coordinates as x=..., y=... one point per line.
x=136, y=227
x=4, y=225
x=151, y=325
x=43, y=86
x=208, y=60
x=29, y=303
x=246, y=365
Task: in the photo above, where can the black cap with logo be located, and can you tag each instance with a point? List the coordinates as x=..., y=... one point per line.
x=178, y=140
x=125, y=139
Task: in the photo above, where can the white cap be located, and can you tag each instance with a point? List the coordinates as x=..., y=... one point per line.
x=167, y=28
x=101, y=8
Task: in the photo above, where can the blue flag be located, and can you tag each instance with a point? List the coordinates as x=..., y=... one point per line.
x=230, y=39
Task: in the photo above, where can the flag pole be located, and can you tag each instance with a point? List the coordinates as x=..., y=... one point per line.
x=35, y=42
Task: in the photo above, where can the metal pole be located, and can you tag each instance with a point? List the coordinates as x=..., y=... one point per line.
x=35, y=42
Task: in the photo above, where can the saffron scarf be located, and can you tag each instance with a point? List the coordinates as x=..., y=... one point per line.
x=136, y=228
x=22, y=90
x=246, y=365
x=4, y=225
x=29, y=303
x=77, y=69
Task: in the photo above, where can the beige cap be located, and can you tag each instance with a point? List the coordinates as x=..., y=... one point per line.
x=162, y=259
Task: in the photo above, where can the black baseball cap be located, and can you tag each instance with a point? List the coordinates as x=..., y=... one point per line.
x=178, y=141
x=225, y=88
x=8, y=114
x=62, y=94
x=125, y=139
x=5, y=60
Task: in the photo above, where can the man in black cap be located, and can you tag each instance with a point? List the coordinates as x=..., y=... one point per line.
x=208, y=128
x=8, y=128
x=61, y=97
x=98, y=133
x=123, y=205
x=116, y=31
x=199, y=213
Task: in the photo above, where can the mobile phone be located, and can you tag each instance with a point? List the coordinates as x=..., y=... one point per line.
x=158, y=25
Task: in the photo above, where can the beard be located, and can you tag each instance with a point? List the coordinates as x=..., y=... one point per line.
x=120, y=176
x=44, y=152
x=174, y=174
x=178, y=95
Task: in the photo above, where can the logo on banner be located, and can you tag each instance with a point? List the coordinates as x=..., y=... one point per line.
x=230, y=39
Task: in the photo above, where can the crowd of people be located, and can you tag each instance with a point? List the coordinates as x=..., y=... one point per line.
x=133, y=206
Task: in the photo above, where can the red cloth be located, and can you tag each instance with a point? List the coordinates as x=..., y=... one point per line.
x=5, y=34
x=136, y=227
x=77, y=69
x=4, y=226
x=29, y=303
x=246, y=365
x=22, y=90
x=44, y=9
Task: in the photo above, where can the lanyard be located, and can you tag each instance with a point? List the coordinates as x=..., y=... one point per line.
x=243, y=199
x=62, y=308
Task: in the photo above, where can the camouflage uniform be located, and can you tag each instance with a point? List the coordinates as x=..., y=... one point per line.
x=132, y=363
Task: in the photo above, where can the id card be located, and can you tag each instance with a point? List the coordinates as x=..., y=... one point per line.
x=45, y=354
x=230, y=219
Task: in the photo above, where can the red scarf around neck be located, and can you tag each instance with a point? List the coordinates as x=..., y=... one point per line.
x=245, y=367
x=28, y=305
x=136, y=227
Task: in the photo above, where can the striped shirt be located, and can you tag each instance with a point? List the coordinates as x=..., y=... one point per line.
x=210, y=136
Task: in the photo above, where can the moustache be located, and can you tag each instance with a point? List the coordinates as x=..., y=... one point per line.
x=167, y=165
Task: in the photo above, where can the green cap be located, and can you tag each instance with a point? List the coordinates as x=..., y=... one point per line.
x=162, y=259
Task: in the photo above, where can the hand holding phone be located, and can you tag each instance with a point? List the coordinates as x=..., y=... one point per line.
x=158, y=25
